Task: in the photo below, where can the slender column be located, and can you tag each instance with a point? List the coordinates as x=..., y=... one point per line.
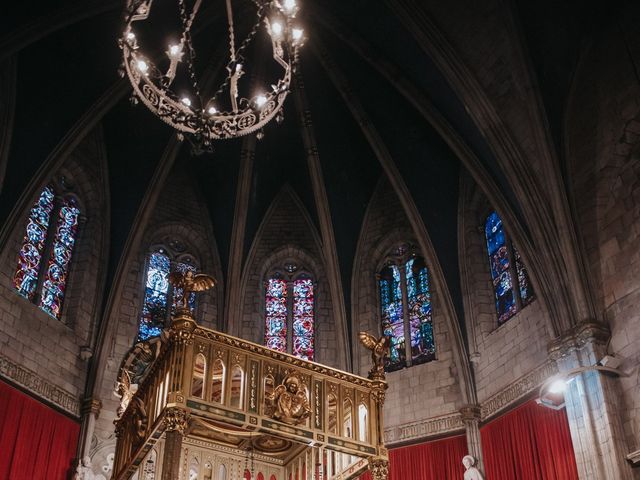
x=592, y=403
x=176, y=420
x=247, y=156
x=90, y=412
x=471, y=419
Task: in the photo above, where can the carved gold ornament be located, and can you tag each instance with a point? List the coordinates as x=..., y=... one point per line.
x=379, y=348
x=289, y=402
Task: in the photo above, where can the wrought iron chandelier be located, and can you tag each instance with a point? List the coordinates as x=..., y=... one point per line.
x=170, y=88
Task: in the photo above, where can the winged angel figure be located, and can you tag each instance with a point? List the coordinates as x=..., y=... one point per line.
x=379, y=348
x=189, y=282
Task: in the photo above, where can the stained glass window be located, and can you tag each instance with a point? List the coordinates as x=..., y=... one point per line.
x=154, y=309
x=303, y=346
x=55, y=278
x=423, y=347
x=33, y=244
x=505, y=263
x=290, y=315
x=393, y=316
x=276, y=314
x=51, y=231
x=406, y=280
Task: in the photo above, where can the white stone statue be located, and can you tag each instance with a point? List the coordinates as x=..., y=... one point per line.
x=83, y=470
x=472, y=473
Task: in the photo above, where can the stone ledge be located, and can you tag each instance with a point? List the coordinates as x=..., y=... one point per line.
x=634, y=457
x=454, y=422
x=424, y=428
x=517, y=390
x=40, y=387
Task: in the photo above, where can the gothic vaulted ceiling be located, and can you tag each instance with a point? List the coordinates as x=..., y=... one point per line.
x=353, y=68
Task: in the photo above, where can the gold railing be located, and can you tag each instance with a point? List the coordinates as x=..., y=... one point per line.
x=206, y=381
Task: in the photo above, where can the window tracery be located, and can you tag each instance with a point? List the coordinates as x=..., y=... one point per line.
x=405, y=309
x=158, y=292
x=290, y=312
x=51, y=234
x=506, y=264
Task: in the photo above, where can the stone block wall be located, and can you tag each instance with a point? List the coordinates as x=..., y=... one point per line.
x=37, y=351
x=420, y=392
x=287, y=235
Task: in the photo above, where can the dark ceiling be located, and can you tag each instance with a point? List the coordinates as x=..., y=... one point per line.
x=62, y=75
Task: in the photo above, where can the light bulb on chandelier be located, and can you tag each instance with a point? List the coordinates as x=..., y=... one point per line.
x=229, y=112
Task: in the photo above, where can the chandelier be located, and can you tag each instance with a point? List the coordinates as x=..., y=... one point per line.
x=166, y=80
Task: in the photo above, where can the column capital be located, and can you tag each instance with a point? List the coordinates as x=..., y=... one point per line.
x=176, y=420
x=91, y=405
x=470, y=413
x=579, y=336
x=379, y=467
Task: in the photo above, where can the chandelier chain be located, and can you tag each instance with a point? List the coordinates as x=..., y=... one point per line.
x=187, y=21
x=237, y=56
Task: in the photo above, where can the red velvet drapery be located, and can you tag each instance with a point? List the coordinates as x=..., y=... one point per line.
x=437, y=460
x=36, y=442
x=530, y=442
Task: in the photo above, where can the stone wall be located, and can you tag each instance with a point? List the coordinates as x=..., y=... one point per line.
x=180, y=224
x=603, y=138
x=419, y=392
x=287, y=236
x=500, y=354
x=38, y=351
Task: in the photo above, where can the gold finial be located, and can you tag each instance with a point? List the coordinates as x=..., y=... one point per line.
x=379, y=348
x=190, y=282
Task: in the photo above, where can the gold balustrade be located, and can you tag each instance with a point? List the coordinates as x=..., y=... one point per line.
x=231, y=394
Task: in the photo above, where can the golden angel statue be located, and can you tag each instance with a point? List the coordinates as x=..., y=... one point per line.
x=124, y=391
x=379, y=348
x=289, y=401
x=189, y=282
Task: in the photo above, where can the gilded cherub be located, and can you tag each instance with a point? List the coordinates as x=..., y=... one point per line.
x=189, y=282
x=290, y=401
x=379, y=348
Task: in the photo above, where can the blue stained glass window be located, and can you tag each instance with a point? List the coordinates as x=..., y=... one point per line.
x=55, y=279
x=500, y=256
x=276, y=314
x=30, y=256
x=392, y=316
x=303, y=318
x=423, y=347
x=154, y=309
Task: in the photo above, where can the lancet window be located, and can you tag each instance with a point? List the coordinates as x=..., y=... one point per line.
x=405, y=309
x=44, y=259
x=160, y=298
x=290, y=312
x=506, y=264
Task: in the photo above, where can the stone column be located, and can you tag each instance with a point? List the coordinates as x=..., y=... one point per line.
x=592, y=404
x=176, y=421
x=90, y=411
x=471, y=419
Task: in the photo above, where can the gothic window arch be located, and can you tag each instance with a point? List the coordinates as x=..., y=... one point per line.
x=405, y=309
x=290, y=311
x=506, y=264
x=44, y=259
x=160, y=298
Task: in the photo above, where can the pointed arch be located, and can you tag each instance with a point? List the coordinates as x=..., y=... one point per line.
x=299, y=250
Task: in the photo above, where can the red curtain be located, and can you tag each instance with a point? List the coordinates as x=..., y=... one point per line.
x=529, y=443
x=437, y=460
x=36, y=442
